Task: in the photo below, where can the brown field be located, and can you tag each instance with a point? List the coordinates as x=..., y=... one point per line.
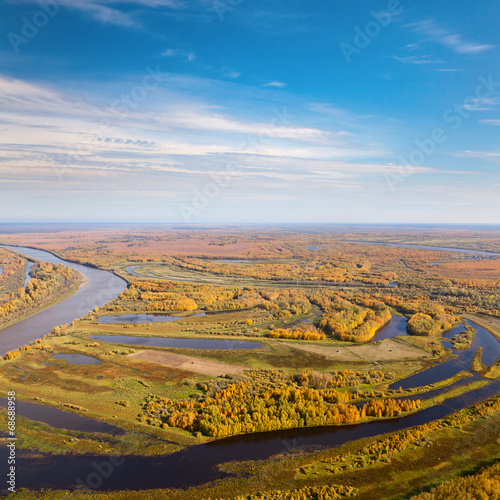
x=188, y=363
x=148, y=242
x=487, y=269
x=387, y=350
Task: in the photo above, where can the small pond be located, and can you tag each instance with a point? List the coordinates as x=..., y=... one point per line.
x=78, y=359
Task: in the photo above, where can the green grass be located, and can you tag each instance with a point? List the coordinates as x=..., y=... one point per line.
x=493, y=372
x=476, y=365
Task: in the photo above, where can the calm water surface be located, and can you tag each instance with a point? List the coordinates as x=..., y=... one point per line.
x=198, y=464
x=144, y=319
x=60, y=419
x=28, y=277
x=206, y=344
x=461, y=360
x=395, y=328
x=78, y=359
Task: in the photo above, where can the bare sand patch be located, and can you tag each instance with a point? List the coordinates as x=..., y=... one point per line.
x=387, y=349
x=340, y=353
x=188, y=363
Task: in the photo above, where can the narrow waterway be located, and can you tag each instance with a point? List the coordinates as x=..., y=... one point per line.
x=28, y=277
x=60, y=419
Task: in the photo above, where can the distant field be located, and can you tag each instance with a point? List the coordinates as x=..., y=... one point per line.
x=386, y=350
x=187, y=363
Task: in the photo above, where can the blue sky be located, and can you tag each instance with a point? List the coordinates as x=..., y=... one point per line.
x=250, y=111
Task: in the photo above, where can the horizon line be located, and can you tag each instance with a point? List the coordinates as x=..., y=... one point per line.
x=256, y=223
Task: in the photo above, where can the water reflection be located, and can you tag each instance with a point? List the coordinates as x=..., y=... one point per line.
x=144, y=319
x=205, y=344
x=78, y=359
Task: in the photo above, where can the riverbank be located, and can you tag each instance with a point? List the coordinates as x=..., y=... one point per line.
x=425, y=455
x=102, y=287
x=81, y=282
x=489, y=323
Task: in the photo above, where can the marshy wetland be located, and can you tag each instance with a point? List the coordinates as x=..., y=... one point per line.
x=148, y=368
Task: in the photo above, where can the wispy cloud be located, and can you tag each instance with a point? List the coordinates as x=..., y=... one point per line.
x=107, y=11
x=491, y=122
x=101, y=12
x=417, y=60
x=169, y=142
x=190, y=56
x=326, y=108
x=180, y=126
x=482, y=104
x=456, y=42
x=174, y=143
x=485, y=155
x=275, y=84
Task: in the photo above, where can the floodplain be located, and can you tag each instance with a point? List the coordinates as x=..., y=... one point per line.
x=286, y=336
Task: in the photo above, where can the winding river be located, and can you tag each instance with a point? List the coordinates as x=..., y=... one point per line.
x=98, y=287
x=197, y=464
